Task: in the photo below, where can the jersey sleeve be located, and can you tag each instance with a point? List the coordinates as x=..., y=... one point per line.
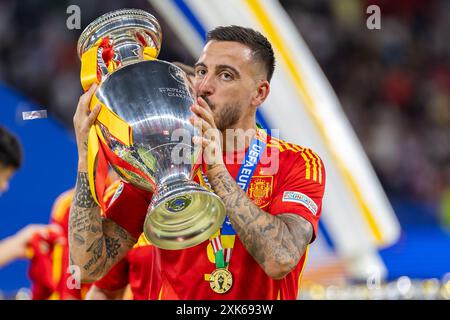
x=128, y=208
x=301, y=188
x=117, y=278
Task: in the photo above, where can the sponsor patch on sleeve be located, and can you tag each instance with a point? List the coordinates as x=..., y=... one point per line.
x=298, y=197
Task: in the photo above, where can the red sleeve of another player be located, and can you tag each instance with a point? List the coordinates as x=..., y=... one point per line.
x=128, y=208
x=301, y=188
x=116, y=278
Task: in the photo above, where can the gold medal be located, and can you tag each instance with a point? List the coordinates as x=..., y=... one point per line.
x=221, y=280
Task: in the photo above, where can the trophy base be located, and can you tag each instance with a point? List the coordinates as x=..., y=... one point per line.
x=183, y=214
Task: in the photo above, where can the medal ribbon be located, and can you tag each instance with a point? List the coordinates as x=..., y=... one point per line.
x=223, y=244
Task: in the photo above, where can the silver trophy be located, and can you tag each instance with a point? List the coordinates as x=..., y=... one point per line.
x=153, y=97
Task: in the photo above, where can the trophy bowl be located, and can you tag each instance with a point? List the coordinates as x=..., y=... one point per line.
x=153, y=98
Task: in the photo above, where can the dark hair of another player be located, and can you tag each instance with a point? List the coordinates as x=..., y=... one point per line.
x=261, y=47
x=10, y=150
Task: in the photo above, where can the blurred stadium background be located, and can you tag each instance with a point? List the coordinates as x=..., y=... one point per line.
x=393, y=85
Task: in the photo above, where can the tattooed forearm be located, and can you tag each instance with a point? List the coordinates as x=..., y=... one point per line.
x=112, y=247
x=95, y=243
x=83, y=197
x=276, y=242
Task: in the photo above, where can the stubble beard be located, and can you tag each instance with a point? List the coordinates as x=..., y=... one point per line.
x=228, y=116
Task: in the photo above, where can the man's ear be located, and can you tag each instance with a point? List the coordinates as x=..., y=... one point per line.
x=262, y=91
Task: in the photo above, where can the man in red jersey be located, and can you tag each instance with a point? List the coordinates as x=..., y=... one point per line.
x=272, y=214
x=48, y=270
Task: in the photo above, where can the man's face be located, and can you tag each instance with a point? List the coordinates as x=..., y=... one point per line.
x=6, y=174
x=226, y=77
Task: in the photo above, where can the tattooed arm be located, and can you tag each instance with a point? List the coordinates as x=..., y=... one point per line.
x=95, y=243
x=276, y=242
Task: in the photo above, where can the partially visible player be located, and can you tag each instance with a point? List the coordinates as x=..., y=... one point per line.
x=15, y=246
x=10, y=158
x=49, y=268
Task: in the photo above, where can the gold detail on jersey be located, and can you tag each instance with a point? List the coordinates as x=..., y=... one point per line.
x=313, y=163
x=289, y=146
x=275, y=143
x=308, y=167
x=319, y=163
x=260, y=190
x=283, y=145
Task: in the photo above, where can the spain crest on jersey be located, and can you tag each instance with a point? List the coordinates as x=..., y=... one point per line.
x=260, y=190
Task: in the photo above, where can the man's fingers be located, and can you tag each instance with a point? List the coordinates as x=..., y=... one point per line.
x=85, y=99
x=199, y=123
x=91, y=90
x=201, y=142
x=204, y=114
x=202, y=103
x=93, y=115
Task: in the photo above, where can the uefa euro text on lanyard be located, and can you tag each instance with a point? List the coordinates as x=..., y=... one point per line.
x=221, y=279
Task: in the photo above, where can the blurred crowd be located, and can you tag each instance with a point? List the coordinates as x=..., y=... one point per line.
x=403, y=288
x=393, y=83
x=38, y=54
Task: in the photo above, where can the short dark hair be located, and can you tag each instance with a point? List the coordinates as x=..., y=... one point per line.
x=10, y=150
x=261, y=47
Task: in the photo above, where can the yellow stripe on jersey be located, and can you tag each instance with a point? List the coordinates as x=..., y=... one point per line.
x=283, y=145
x=288, y=146
x=319, y=164
x=275, y=143
x=308, y=166
x=298, y=148
x=313, y=163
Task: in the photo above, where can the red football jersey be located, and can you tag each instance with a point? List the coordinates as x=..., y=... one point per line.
x=48, y=270
x=288, y=179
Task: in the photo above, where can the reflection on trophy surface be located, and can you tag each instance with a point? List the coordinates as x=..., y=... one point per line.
x=152, y=99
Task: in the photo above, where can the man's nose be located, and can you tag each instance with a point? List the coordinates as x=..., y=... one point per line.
x=206, y=86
